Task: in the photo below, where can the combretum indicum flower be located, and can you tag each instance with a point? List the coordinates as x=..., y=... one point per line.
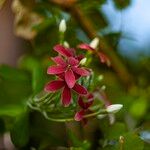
x=62, y=26
x=94, y=43
x=114, y=108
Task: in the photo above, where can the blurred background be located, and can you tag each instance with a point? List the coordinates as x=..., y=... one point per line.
x=29, y=30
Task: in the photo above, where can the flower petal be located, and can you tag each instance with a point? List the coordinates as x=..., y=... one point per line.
x=81, y=103
x=86, y=47
x=61, y=76
x=62, y=50
x=87, y=103
x=80, y=89
x=54, y=85
x=66, y=97
x=104, y=59
x=79, y=115
x=59, y=60
x=70, y=78
x=80, y=57
x=55, y=70
x=72, y=61
x=81, y=71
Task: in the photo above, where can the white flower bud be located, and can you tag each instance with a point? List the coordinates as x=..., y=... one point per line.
x=62, y=26
x=66, y=44
x=114, y=108
x=83, y=61
x=94, y=43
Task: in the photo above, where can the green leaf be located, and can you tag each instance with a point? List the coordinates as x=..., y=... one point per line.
x=34, y=66
x=132, y=142
x=116, y=130
x=2, y=126
x=11, y=110
x=20, y=130
x=121, y=4
x=15, y=87
x=138, y=108
x=13, y=74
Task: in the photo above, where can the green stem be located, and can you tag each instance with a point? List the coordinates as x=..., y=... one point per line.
x=103, y=111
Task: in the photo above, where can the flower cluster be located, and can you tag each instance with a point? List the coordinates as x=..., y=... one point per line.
x=92, y=48
x=68, y=71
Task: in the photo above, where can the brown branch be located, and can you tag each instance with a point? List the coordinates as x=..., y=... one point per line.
x=86, y=24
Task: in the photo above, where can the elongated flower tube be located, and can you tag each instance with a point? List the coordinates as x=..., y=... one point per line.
x=84, y=106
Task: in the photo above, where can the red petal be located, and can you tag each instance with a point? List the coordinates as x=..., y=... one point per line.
x=72, y=50
x=104, y=59
x=61, y=76
x=80, y=89
x=70, y=78
x=77, y=76
x=54, y=85
x=62, y=50
x=86, y=47
x=55, y=70
x=66, y=97
x=88, y=103
x=79, y=115
x=59, y=60
x=81, y=71
x=72, y=61
x=80, y=57
x=81, y=103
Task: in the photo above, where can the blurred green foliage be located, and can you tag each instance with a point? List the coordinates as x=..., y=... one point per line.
x=39, y=25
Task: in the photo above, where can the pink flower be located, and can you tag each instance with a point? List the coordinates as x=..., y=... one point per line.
x=69, y=66
x=103, y=58
x=84, y=106
x=55, y=85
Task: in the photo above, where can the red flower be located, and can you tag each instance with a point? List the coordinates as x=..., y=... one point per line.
x=70, y=66
x=53, y=86
x=84, y=107
x=103, y=58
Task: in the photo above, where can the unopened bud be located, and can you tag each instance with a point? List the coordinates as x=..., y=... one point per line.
x=114, y=108
x=121, y=139
x=66, y=44
x=62, y=26
x=94, y=43
x=83, y=61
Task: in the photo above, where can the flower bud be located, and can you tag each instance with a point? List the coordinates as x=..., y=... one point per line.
x=114, y=108
x=66, y=44
x=94, y=43
x=83, y=61
x=62, y=26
